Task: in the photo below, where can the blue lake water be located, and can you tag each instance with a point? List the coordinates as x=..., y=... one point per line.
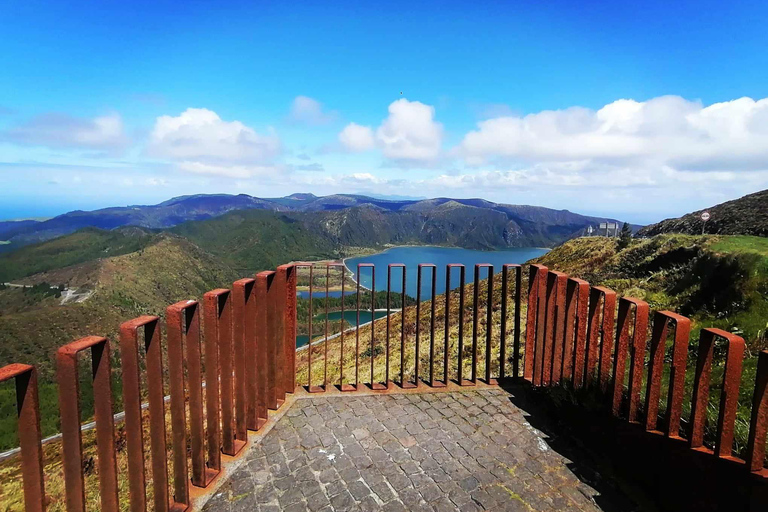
x=318, y=323
x=440, y=256
x=319, y=294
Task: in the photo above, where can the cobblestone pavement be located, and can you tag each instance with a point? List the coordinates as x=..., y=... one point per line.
x=440, y=451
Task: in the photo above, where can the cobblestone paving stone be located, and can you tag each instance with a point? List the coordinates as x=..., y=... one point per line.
x=463, y=451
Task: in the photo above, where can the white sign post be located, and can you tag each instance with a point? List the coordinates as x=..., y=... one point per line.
x=704, y=217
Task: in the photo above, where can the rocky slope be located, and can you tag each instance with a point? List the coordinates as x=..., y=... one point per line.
x=747, y=215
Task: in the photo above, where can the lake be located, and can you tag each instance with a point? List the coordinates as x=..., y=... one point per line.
x=440, y=256
x=318, y=323
x=319, y=293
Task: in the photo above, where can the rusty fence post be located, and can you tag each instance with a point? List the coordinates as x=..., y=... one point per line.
x=432, y=310
x=729, y=391
x=219, y=333
x=401, y=266
x=267, y=339
x=183, y=319
x=217, y=311
x=244, y=300
x=554, y=337
x=576, y=324
x=69, y=409
x=602, y=309
x=460, y=345
x=535, y=323
x=286, y=277
x=489, y=325
x=676, y=375
x=28, y=410
x=476, y=320
x=503, y=327
x=635, y=348
x=758, y=425
x=129, y=358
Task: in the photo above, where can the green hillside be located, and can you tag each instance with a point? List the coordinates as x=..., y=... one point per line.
x=126, y=286
x=85, y=245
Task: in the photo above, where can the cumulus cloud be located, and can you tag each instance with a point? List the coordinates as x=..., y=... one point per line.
x=355, y=137
x=665, y=131
x=203, y=143
x=200, y=133
x=409, y=133
x=63, y=131
x=230, y=170
x=310, y=111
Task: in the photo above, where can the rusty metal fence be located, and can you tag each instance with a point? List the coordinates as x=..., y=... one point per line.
x=227, y=376
x=570, y=342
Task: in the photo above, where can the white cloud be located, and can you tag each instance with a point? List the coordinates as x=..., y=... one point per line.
x=64, y=131
x=202, y=143
x=199, y=133
x=665, y=131
x=409, y=133
x=357, y=138
x=307, y=110
x=230, y=170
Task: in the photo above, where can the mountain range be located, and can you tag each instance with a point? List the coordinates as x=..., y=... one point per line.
x=365, y=221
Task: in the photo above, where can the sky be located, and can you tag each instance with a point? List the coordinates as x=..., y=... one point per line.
x=639, y=111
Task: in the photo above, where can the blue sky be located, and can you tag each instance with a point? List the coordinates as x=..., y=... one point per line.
x=640, y=111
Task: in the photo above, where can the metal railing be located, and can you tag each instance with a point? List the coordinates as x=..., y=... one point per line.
x=240, y=366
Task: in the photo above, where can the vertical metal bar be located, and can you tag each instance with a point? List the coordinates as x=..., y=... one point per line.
x=287, y=278
x=546, y=367
x=357, y=334
x=535, y=323
x=600, y=342
x=758, y=425
x=325, y=343
x=129, y=361
x=341, y=348
x=344, y=386
x=606, y=346
x=69, y=407
x=129, y=357
x=475, y=321
x=462, y=280
x=516, y=339
x=729, y=394
x=269, y=335
x=639, y=337
x=374, y=385
x=189, y=312
x=176, y=381
x=309, y=329
x=28, y=411
x=503, y=327
x=278, y=304
x=446, y=351
x=582, y=325
x=623, y=348
x=403, y=383
x=389, y=292
x=559, y=328
x=194, y=372
x=285, y=324
x=432, y=306
x=418, y=325
x=217, y=309
x=489, y=327
x=676, y=375
x=244, y=300
x=218, y=324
